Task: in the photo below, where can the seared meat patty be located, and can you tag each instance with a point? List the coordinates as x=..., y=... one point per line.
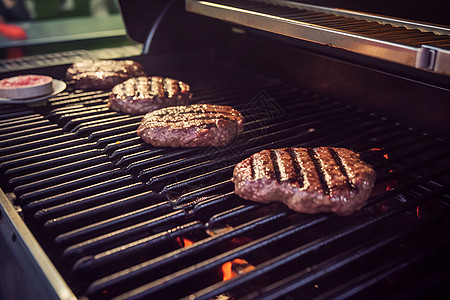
x=143, y=94
x=195, y=125
x=103, y=74
x=308, y=180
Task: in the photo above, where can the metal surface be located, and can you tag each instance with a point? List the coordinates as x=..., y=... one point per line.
x=155, y=26
x=27, y=262
x=66, y=57
x=410, y=24
x=118, y=218
x=399, y=47
x=124, y=219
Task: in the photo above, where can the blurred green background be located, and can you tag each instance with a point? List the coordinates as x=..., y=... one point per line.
x=48, y=9
x=61, y=25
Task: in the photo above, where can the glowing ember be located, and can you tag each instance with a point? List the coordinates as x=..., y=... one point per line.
x=227, y=271
x=377, y=149
x=235, y=267
x=184, y=243
x=390, y=185
x=418, y=213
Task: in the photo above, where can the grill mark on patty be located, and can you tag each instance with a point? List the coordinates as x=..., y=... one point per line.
x=191, y=130
x=275, y=164
x=150, y=88
x=197, y=117
x=92, y=67
x=298, y=170
x=342, y=167
x=190, y=110
x=319, y=169
x=177, y=114
x=252, y=167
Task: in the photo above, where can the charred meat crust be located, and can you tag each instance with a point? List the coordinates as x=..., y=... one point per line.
x=103, y=74
x=308, y=180
x=144, y=94
x=197, y=125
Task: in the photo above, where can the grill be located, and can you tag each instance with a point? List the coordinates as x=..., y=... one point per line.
x=121, y=219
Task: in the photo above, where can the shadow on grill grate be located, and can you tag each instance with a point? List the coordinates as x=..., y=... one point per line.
x=123, y=219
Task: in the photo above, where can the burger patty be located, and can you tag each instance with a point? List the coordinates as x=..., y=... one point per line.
x=103, y=74
x=143, y=94
x=308, y=180
x=197, y=125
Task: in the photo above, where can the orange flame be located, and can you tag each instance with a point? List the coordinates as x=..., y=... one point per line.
x=418, y=213
x=235, y=267
x=386, y=156
x=227, y=271
x=184, y=243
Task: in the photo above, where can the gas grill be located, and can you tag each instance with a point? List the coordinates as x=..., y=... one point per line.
x=90, y=211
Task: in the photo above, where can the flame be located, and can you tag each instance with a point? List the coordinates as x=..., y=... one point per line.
x=184, y=243
x=386, y=156
x=418, y=213
x=235, y=267
x=227, y=271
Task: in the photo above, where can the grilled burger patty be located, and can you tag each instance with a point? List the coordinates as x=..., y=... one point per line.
x=143, y=94
x=103, y=74
x=308, y=180
x=195, y=125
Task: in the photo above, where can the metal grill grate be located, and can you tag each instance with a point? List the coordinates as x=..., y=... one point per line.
x=65, y=57
x=43, y=60
x=118, y=216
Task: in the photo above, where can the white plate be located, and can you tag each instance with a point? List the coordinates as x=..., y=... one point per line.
x=58, y=87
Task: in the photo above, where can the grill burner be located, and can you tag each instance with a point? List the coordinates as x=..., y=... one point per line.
x=120, y=218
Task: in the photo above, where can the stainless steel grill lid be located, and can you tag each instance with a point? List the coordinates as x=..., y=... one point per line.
x=409, y=43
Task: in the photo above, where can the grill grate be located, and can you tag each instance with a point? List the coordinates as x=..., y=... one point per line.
x=66, y=57
x=122, y=219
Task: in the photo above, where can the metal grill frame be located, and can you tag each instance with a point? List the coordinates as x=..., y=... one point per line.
x=94, y=134
x=421, y=46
